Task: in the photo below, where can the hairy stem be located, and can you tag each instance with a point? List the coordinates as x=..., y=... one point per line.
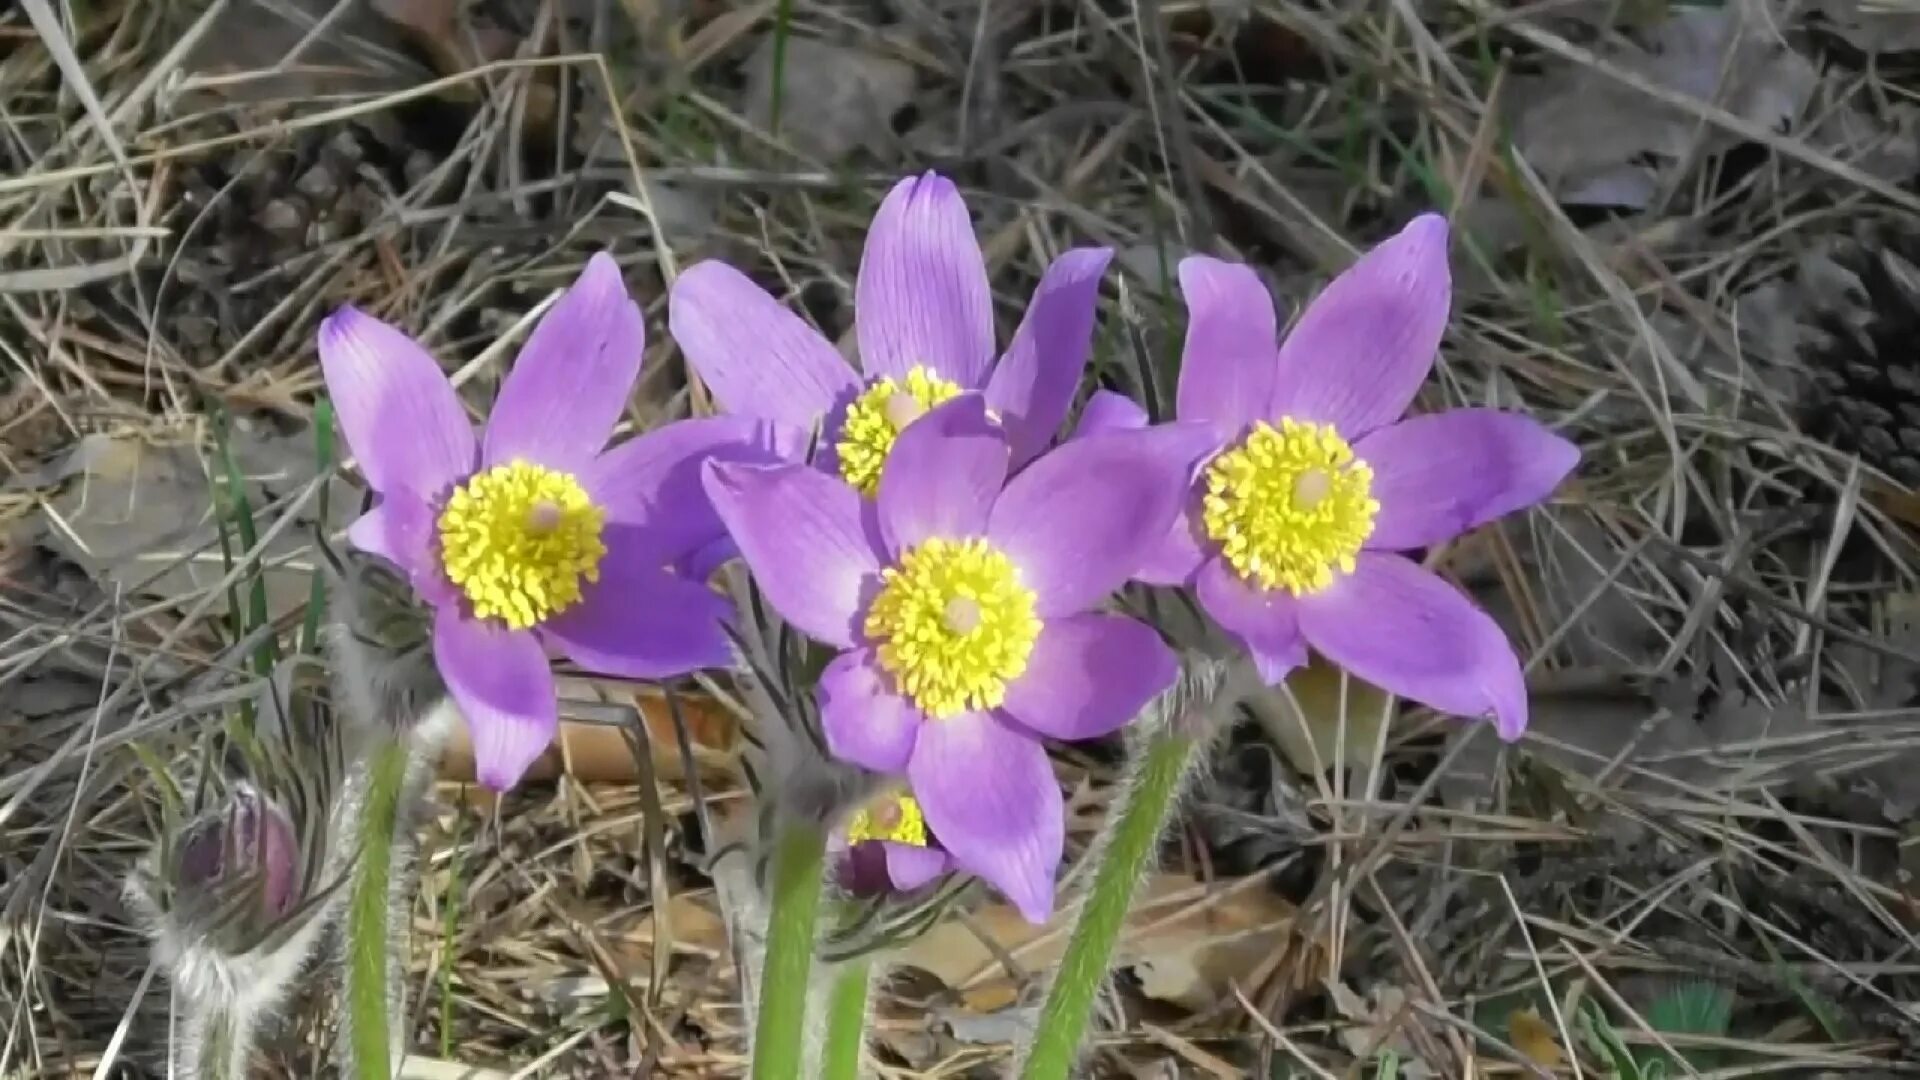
x=1135, y=835
x=368, y=955
x=216, y=1042
x=799, y=859
x=846, y=1020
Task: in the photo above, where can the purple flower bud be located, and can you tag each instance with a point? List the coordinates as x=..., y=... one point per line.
x=251, y=844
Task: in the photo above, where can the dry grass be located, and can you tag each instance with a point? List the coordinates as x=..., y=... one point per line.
x=1695, y=799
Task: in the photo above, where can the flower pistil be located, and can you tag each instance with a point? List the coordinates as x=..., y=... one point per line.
x=518, y=538
x=954, y=625
x=1289, y=505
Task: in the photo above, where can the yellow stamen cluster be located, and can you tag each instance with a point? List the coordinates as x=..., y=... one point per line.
x=955, y=625
x=876, y=418
x=894, y=816
x=1289, y=505
x=517, y=539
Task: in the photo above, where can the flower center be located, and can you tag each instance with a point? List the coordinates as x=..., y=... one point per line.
x=894, y=817
x=954, y=625
x=1289, y=505
x=518, y=538
x=876, y=418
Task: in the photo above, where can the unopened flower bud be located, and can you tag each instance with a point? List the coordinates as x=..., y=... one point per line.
x=251, y=846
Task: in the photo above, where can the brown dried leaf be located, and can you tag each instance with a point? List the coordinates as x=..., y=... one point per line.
x=1535, y=1038
x=1187, y=943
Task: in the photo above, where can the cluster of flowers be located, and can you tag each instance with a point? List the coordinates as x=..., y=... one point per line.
x=925, y=517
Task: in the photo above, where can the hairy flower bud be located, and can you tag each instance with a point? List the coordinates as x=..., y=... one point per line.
x=245, y=859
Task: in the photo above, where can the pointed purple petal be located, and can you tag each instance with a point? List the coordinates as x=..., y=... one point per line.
x=921, y=296
x=1108, y=411
x=1437, y=476
x=1365, y=344
x=866, y=722
x=652, y=482
x=1089, y=675
x=758, y=358
x=399, y=414
x=501, y=681
x=1404, y=630
x=1176, y=556
x=910, y=867
x=942, y=475
x=399, y=529
x=641, y=622
x=806, y=537
x=1265, y=622
x=1232, y=350
x=1080, y=520
x=989, y=794
x=1032, y=387
x=571, y=380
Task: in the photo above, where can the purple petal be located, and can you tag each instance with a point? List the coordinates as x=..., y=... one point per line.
x=399, y=529
x=758, y=358
x=1108, y=411
x=699, y=564
x=806, y=538
x=652, y=482
x=989, y=794
x=1176, y=556
x=921, y=296
x=942, y=475
x=501, y=681
x=398, y=412
x=910, y=867
x=1265, y=622
x=1365, y=344
x=866, y=722
x=1404, y=630
x=1032, y=387
x=641, y=622
x=558, y=405
x=1437, y=476
x=1080, y=520
x=1227, y=367
x=1090, y=674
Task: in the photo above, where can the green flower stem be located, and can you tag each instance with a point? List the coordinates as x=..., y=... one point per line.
x=799, y=859
x=846, y=1021
x=1063, y=1018
x=368, y=907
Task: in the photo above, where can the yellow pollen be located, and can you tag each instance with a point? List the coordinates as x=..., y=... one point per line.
x=517, y=539
x=1289, y=505
x=954, y=625
x=876, y=418
x=894, y=817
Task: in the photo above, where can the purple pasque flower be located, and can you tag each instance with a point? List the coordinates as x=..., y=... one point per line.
x=886, y=847
x=529, y=536
x=1293, y=533
x=962, y=603
x=923, y=314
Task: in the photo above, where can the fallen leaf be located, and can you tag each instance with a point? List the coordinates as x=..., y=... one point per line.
x=1588, y=131
x=1184, y=946
x=599, y=753
x=1535, y=1038
x=1872, y=26
x=1303, y=717
x=340, y=52
x=834, y=98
